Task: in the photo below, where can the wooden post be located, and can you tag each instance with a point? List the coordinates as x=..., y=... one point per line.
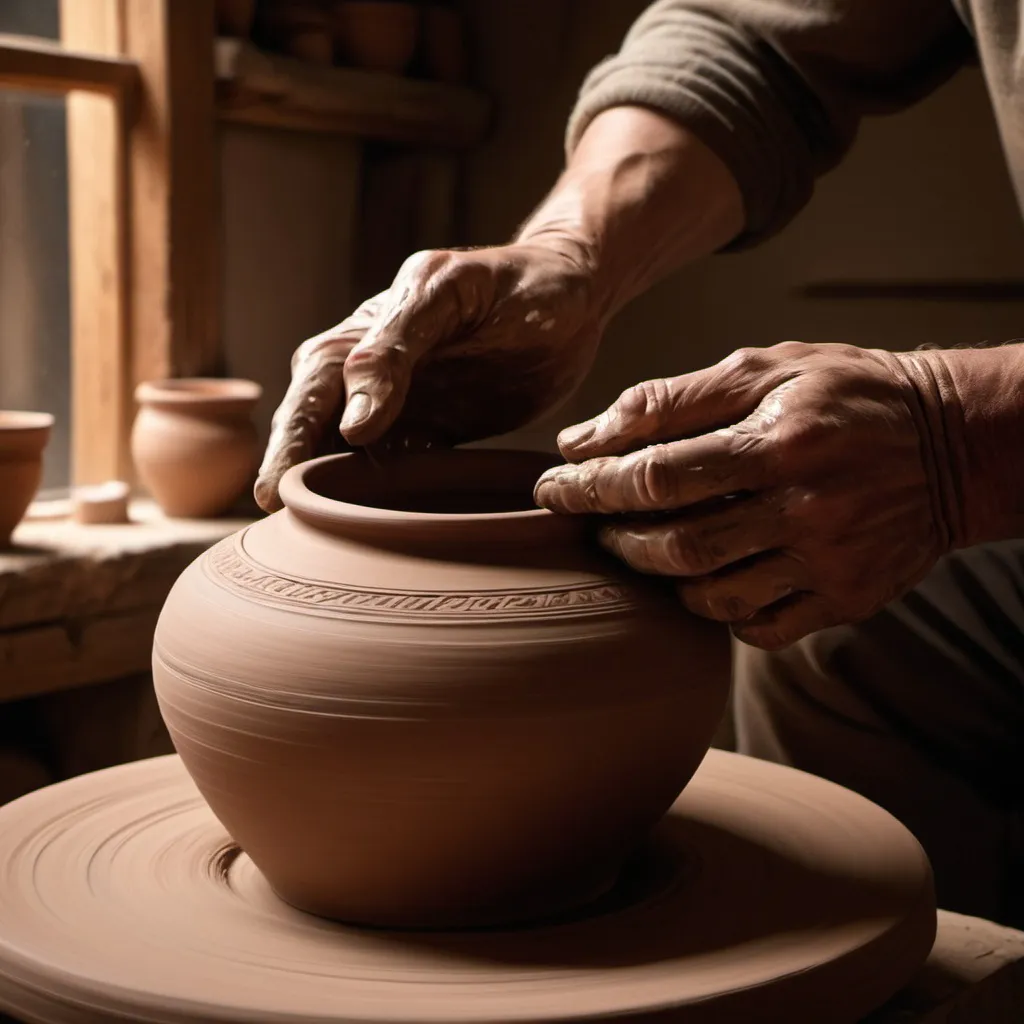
x=145, y=240
x=98, y=211
x=175, y=244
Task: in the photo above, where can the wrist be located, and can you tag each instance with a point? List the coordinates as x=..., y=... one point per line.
x=641, y=197
x=972, y=413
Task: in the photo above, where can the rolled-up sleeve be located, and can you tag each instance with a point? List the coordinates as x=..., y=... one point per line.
x=777, y=88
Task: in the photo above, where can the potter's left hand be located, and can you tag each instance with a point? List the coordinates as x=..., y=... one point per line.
x=795, y=487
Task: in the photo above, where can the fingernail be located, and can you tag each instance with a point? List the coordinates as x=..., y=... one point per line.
x=546, y=487
x=357, y=411
x=573, y=437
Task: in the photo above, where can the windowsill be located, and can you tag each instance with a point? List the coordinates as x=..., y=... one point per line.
x=78, y=604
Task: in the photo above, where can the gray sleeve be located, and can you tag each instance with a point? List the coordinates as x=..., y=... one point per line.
x=777, y=88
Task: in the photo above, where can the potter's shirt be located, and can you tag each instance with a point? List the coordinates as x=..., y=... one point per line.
x=778, y=87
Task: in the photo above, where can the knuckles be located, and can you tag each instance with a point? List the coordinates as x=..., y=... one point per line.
x=688, y=554
x=654, y=483
x=649, y=400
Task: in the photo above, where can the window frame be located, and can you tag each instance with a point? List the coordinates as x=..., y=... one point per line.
x=143, y=212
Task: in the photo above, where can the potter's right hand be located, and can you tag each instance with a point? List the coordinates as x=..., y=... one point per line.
x=464, y=345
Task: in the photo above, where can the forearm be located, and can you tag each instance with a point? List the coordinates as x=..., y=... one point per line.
x=640, y=197
x=976, y=429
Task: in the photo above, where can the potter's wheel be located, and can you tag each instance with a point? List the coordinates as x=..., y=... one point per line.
x=768, y=895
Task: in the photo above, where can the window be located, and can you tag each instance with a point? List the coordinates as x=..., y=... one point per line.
x=34, y=289
x=107, y=215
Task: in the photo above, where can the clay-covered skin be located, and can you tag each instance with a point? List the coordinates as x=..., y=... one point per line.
x=798, y=487
x=23, y=437
x=463, y=346
x=469, y=344
x=194, y=444
x=765, y=895
x=433, y=704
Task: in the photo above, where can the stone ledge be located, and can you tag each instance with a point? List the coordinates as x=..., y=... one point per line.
x=78, y=604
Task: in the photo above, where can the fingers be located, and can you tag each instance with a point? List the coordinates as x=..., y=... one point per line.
x=426, y=305
x=312, y=400
x=787, y=621
x=674, y=407
x=742, y=591
x=664, y=477
x=702, y=542
x=313, y=397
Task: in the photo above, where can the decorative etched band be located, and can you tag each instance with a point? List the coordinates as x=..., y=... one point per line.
x=228, y=565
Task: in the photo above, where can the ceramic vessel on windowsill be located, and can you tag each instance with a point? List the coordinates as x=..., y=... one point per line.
x=23, y=438
x=194, y=444
x=414, y=699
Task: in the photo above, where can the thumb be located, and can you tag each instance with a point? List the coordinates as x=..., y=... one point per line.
x=420, y=310
x=672, y=408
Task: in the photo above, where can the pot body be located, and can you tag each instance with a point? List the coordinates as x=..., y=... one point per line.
x=440, y=720
x=23, y=438
x=194, y=445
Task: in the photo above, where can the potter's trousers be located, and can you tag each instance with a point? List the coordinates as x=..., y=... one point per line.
x=920, y=709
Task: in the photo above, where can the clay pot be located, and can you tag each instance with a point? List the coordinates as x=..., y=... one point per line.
x=431, y=704
x=376, y=35
x=235, y=18
x=23, y=436
x=444, y=45
x=194, y=445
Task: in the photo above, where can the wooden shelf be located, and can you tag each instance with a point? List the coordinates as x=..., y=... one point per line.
x=78, y=604
x=258, y=88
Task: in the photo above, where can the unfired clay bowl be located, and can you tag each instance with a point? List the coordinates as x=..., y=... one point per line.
x=194, y=444
x=23, y=437
x=416, y=700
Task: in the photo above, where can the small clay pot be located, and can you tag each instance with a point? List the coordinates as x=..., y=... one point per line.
x=416, y=700
x=235, y=18
x=23, y=436
x=376, y=35
x=443, y=45
x=194, y=445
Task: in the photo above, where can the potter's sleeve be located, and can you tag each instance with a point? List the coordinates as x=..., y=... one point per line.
x=777, y=88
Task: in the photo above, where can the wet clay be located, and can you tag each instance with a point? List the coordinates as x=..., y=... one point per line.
x=194, y=444
x=23, y=437
x=764, y=895
x=432, y=704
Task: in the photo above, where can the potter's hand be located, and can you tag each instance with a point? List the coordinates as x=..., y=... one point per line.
x=799, y=486
x=464, y=345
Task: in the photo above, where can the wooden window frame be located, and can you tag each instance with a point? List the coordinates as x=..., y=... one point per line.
x=143, y=211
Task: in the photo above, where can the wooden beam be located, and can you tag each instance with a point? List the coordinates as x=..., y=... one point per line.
x=44, y=66
x=174, y=229
x=98, y=234
x=272, y=91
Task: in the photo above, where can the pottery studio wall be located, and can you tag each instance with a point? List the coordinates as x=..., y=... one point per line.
x=288, y=206
x=924, y=196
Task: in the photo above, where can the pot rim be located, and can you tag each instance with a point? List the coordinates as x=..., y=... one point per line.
x=18, y=420
x=198, y=390
x=337, y=516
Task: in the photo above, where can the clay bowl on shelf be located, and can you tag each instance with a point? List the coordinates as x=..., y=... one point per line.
x=23, y=437
x=376, y=35
x=416, y=700
x=194, y=444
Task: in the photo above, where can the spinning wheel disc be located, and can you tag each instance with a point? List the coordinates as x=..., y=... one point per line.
x=766, y=894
